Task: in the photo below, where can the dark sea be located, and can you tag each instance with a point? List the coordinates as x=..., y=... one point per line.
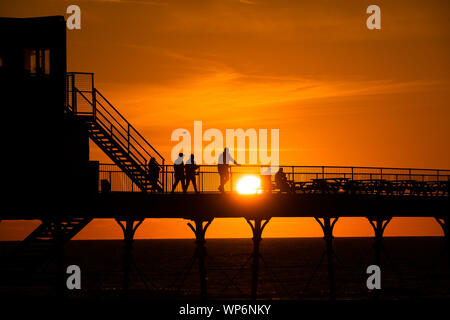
x=289, y=269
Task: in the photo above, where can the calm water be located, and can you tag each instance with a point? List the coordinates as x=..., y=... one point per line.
x=416, y=267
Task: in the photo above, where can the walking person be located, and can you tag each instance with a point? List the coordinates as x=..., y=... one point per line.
x=178, y=168
x=223, y=167
x=191, y=172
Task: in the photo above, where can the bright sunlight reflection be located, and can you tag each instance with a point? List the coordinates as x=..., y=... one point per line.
x=249, y=185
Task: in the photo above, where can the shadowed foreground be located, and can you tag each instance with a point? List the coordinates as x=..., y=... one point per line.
x=417, y=268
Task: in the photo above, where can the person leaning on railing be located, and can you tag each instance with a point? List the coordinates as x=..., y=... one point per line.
x=153, y=170
x=223, y=167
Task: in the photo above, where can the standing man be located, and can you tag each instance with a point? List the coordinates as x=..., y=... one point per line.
x=178, y=168
x=191, y=171
x=153, y=170
x=223, y=168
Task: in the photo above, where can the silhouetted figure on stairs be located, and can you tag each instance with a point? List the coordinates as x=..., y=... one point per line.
x=178, y=168
x=153, y=170
x=191, y=171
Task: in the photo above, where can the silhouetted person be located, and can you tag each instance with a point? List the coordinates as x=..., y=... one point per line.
x=223, y=168
x=153, y=174
x=281, y=181
x=191, y=171
x=178, y=168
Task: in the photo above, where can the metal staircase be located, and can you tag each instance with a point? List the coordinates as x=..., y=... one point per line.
x=40, y=246
x=111, y=132
x=121, y=143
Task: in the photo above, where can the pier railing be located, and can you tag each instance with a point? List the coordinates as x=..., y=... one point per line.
x=208, y=178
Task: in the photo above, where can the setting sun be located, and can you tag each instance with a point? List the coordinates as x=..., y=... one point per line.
x=249, y=185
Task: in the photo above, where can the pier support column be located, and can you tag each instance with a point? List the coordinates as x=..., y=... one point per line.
x=327, y=225
x=200, y=251
x=257, y=230
x=379, y=224
x=129, y=228
x=445, y=225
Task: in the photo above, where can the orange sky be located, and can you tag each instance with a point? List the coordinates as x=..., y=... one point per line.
x=340, y=94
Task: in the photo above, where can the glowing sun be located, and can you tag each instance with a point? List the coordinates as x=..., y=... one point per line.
x=249, y=185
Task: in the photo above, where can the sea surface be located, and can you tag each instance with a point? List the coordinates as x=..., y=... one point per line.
x=289, y=268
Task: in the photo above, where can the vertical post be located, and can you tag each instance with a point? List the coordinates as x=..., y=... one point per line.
x=327, y=228
x=379, y=224
x=330, y=259
x=200, y=252
x=163, y=176
x=128, y=138
x=127, y=254
x=94, y=103
x=92, y=82
x=257, y=229
x=352, y=173
x=231, y=180
x=323, y=172
x=74, y=95
x=129, y=229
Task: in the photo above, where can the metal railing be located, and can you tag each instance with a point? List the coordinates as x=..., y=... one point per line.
x=208, y=178
x=84, y=99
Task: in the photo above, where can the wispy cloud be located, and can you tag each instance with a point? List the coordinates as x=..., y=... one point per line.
x=248, y=2
x=143, y=2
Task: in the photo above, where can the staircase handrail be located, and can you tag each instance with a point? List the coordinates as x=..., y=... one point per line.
x=129, y=125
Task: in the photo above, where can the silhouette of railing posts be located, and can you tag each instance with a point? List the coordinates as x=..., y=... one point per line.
x=257, y=230
x=200, y=252
x=129, y=229
x=351, y=180
x=327, y=226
